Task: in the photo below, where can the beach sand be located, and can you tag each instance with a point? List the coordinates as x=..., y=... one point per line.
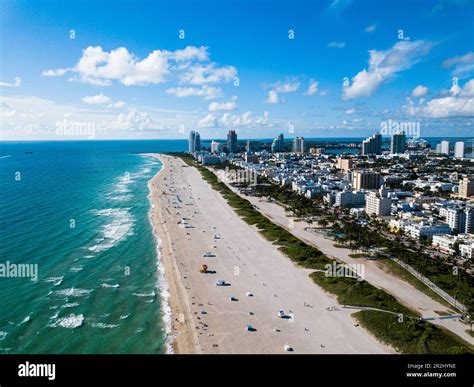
x=204, y=318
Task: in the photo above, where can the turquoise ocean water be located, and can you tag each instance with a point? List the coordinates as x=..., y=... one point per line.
x=80, y=211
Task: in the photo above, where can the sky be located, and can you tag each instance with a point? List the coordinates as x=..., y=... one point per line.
x=157, y=70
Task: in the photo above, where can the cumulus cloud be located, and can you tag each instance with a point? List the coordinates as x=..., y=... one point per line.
x=231, y=105
x=118, y=104
x=98, y=99
x=281, y=87
x=337, y=44
x=205, y=91
x=419, y=91
x=135, y=120
x=460, y=103
x=312, y=88
x=383, y=65
x=101, y=68
x=350, y=111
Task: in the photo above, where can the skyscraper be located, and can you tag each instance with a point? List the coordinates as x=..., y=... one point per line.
x=372, y=145
x=278, y=144
x=444, y=148
x=298, y=145
x=459, y=150
x=194, y=142
x=397, y=144
x=231, y=141
x=466, y=187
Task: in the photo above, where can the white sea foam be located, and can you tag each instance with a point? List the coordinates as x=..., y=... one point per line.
x=70, y=305
x=104, y=326
x=72, y=321
x=76, y=269
x=73, y=292
x=125, y=316
x=25, y=320
x=162, y=283
x=119, y=228
x=3, y=335
x=151, y=294
x=104, y=285
x=55, y=280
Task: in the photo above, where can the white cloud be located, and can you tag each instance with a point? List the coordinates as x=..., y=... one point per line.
x=337, y=44
x=205, y=91
x=281, y=87
x=118, y=104
x=135, y=120
x=55, y=72
x=312, y=87
x=371, y=28
x=101, y=68
x=200, y=75
x=98, y=99
x=383, y=65
x=459, y=104
x=419, y=91
x=272, y=97
x=462, y=65
x=350, y=111
x=231, y=105
x=235, y=120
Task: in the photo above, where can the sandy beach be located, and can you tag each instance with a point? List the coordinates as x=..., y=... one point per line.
x=192, y=219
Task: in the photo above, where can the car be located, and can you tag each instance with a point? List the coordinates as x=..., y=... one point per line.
x=250, y=328
x=220, y=283
x=232, y=298
x=208, y=254
x=281, y=313
x=287, y=348
x=249, y=294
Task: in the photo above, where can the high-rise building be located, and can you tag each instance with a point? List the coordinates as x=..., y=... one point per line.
x=456, y=219
x=398, y=142
x=372, y=145
x=466, y=187
x=216, y=147
x=378, y=203
x=459, y=150
x=444, y=148
x=231, y=141
x=366, y=180
x=278, y=144
x=345, y=164
x=194, y=143
x=298, y=145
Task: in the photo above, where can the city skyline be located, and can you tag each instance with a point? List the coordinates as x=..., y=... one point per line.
x=328, y=69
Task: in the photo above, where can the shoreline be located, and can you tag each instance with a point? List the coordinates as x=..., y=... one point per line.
x=178, y=331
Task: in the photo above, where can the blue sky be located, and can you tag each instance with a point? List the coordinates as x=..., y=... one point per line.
x=335, y=68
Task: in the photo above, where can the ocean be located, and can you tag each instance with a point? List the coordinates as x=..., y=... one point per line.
x=80, y=211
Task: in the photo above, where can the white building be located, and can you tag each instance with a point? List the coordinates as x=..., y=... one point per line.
x=378, y=203
x=217, y=147
x=444, y=148
x=459, y=150
x=349, y=199
x=417, y=230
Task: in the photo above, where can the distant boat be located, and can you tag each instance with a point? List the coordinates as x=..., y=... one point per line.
x=29, y=153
